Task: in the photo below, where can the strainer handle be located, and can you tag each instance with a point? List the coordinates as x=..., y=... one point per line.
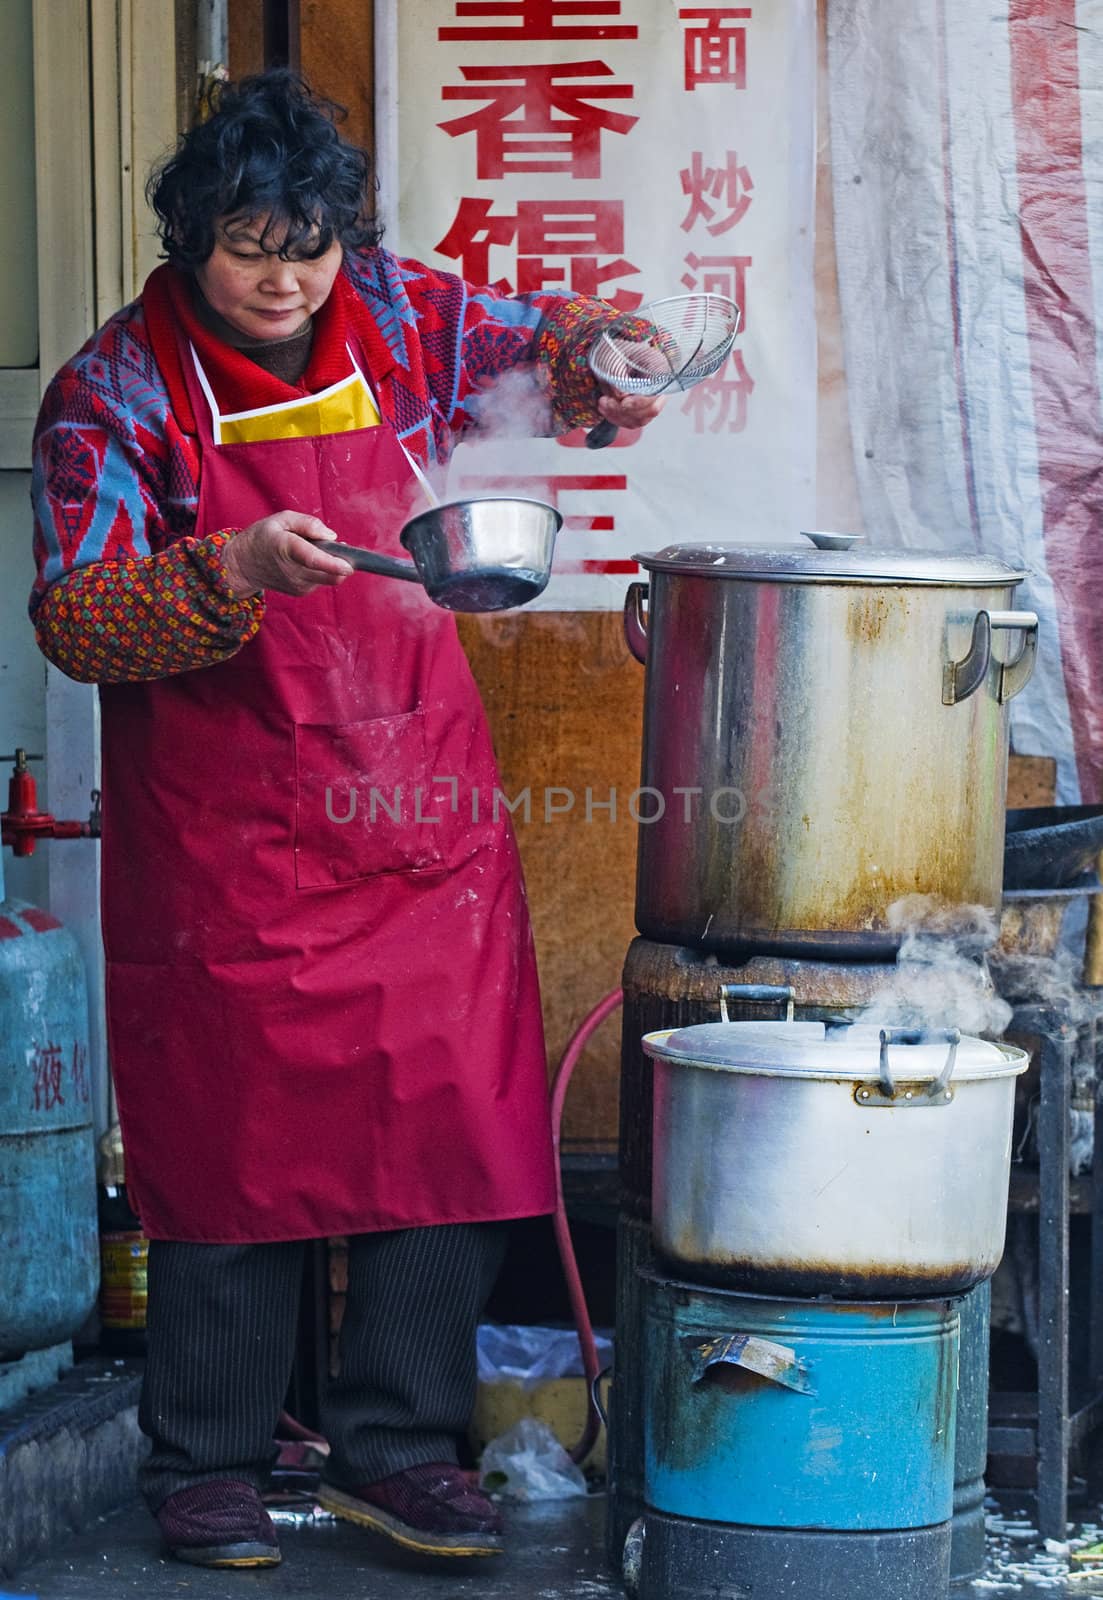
x=601, y=434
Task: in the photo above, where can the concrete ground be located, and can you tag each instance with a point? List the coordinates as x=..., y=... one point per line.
x=555, y=1553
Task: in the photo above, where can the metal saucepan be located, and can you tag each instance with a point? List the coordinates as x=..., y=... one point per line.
x=857, y=1162
x=472, y=555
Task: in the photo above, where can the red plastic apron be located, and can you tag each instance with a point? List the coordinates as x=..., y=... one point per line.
x=322, y=1005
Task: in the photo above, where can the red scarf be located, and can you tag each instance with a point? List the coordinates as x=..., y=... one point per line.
x=239, y=384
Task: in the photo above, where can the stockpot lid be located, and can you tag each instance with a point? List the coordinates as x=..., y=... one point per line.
x=812, y=1050
x=798, y=563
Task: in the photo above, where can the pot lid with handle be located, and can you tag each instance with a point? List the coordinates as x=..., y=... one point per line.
x=835, y=558
x=814, y=1050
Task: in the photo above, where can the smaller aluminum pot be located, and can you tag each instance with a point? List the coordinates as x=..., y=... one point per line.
x=472, y=555
x=863, y=1163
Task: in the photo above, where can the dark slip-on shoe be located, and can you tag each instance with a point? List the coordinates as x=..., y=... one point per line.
x=433, y=1509
x=221, y=1523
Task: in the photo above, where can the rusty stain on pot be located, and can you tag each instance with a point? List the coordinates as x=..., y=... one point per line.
x=826, y=1278
x=775, y=684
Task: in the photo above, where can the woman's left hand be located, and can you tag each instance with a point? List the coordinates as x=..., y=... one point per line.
x=629, y=410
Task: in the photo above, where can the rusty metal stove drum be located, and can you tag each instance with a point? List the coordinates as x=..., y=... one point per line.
x=795, y=1447
x=825, y=733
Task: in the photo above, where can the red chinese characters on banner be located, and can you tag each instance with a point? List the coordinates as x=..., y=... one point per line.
x=552, y=489
x=715, y=45
x=559, y=128
x=559, y=243
x=721, y=402
x=730, y=184
x=538, y=20
x=719, y=275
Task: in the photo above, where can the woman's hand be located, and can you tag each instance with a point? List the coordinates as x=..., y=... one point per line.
x=283, y=552
x=629, y=410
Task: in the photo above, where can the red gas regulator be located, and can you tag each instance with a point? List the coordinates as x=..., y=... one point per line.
x=23, y=824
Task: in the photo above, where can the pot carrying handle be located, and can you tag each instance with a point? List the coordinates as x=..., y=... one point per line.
x=767, y=994
x=1017, y=671
x=635, y=620
x=774, y=1362
x=888, y=1091
x=372, y=561
x=962, y=678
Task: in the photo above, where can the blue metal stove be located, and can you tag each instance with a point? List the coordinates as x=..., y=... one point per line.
x=794, y=1447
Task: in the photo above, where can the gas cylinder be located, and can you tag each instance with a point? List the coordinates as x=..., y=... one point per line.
x=49, y=1264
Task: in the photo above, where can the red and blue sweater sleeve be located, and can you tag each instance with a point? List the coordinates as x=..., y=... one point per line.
x=122, y=591
x=518, y=361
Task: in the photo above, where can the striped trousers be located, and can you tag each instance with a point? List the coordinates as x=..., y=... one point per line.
x=221, y=1330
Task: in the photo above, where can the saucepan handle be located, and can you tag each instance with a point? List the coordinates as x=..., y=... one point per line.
x=601, y=434
x=372, y=561
x=635, y=620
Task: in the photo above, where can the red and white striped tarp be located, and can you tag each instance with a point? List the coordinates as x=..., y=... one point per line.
x=968, y=184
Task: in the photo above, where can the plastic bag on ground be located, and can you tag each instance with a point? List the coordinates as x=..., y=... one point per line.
x=531, y=1355
x=527, y=1462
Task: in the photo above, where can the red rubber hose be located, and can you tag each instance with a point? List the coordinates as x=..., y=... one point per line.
x=579, y=1309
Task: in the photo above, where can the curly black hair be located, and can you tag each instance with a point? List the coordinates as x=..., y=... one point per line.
x=269, y=149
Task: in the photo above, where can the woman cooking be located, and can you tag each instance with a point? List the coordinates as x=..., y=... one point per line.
x=317, y=1026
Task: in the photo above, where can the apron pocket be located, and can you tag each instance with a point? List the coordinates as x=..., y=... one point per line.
x=362, y=793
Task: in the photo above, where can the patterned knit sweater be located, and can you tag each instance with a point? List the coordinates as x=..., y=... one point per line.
x=124, y=588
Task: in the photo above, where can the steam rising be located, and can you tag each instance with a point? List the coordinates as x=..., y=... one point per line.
x=938, y=980
x=513, y=406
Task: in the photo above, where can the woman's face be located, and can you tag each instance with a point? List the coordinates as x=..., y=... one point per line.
x=258, y=293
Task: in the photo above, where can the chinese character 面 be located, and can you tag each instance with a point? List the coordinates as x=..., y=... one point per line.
x=537, y=19
x=721, y=401
x=719, y=275
x=732, y=184
x=48, y=1067
x=539, y=140
x=559, y=243
x=716, y=45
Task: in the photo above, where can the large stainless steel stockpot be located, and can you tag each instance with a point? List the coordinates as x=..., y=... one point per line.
x=796, y=1159
x=825, y=733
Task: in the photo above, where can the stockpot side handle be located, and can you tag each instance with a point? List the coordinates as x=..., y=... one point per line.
x=1017, y=671
x=935, y=1091
x=774, y=1362
x=962, y=678
x=767, y=994
x=635, y=620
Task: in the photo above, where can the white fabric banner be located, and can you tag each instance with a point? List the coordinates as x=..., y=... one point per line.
x=631, y=151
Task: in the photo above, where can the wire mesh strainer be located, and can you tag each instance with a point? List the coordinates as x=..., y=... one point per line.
x=670, y=344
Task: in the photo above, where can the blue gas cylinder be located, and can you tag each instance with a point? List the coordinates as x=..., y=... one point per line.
x=804, y=1414
x=49, y=1263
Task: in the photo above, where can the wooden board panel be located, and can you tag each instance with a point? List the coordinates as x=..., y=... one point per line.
x=246, y=37
x=565, y=701
x=1031, y=780
x=336, y=56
